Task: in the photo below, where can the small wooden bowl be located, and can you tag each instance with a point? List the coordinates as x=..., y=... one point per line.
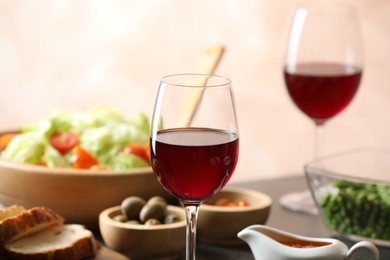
x=220, y=225
x=165, y=241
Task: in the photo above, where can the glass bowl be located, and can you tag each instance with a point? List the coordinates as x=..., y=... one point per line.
x=352, y=191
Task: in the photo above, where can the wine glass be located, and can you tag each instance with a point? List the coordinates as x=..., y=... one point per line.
x=322, y=71
x=194, y=141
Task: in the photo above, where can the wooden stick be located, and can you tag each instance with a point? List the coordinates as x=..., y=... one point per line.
x=207, y=64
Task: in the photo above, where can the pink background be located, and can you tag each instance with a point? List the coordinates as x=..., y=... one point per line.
x=76, y=54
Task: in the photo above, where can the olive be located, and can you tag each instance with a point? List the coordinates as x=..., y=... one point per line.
x=171, y=218
x=120, y=218
x=152, y=222
x=133, y=222
x=153, y=209
x=157, y=199
x=131, y=207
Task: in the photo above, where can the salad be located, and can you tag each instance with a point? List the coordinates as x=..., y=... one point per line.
x=361, y=209
x=100, y=138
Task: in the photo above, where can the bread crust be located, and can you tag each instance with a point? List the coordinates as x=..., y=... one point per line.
x=10, y=211
x=39, y=233
x=27, y=222
x=81, y=248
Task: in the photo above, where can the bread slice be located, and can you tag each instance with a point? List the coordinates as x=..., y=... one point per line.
x=68, y=242
x=27, y=222
x=10, y=211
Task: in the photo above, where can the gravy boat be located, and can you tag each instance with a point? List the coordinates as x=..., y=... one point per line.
x=267, y=243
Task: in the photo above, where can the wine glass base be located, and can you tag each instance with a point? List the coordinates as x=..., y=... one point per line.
x=300, y=201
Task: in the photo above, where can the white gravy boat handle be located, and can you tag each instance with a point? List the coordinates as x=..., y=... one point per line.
x=363, y=250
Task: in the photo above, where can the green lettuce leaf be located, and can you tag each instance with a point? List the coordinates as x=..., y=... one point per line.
x=103, y=131
x=54, y=159
x=124, y=161
x=25, y=148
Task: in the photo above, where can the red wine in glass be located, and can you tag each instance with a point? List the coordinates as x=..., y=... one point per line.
x=194, y=163
x=322, y=71
x=322, y=90
x=194, y=141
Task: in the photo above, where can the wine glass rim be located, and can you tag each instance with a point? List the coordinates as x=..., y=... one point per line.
x=222, y=81
x=320, y=6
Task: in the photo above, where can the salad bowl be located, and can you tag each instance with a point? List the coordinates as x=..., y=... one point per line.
x=78, y=195
x=77, y=163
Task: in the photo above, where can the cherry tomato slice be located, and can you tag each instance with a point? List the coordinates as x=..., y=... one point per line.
x=139, y=150
x=63, y=141
x=84, y=160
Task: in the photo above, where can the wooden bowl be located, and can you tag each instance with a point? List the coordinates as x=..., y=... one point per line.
x=78, y=195
x=165, y=241
x=220, y=225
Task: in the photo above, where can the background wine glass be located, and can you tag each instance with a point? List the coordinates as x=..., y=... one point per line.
x=194, y=141
x=322, y=70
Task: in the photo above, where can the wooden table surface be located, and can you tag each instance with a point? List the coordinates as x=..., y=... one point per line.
x=281, y=218
x=299, y=223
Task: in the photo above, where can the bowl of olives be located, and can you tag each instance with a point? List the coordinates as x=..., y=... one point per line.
x=144, y=229
x=222, y=216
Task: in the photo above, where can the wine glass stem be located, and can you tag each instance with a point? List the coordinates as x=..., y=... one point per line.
x=192, y=219
x=319, y=142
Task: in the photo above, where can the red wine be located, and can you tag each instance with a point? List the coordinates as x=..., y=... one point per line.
x=322, y=90
x=194, y=163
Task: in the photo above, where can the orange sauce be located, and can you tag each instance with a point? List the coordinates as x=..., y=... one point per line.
x=303, y=243
x=225, y=202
